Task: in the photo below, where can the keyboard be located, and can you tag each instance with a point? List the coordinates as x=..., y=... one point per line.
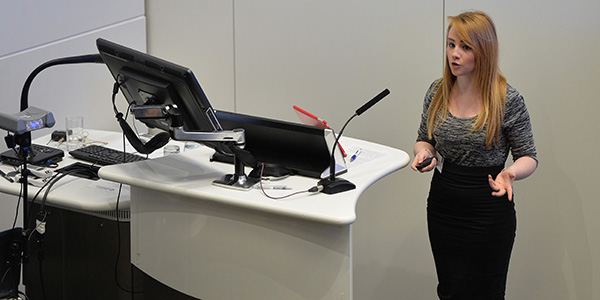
x=104, y=156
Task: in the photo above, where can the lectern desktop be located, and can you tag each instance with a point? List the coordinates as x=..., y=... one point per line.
x=207, y=242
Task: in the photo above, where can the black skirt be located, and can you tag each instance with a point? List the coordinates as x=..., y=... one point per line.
x=471, y=233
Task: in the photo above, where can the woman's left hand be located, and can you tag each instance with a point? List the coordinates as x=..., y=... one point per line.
x=502, y=184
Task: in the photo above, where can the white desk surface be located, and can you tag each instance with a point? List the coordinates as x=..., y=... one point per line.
x=75, y=193
x=190, y=175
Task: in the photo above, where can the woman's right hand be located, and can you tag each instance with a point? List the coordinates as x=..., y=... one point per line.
x=420, y=158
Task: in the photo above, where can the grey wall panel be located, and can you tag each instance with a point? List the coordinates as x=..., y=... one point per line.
x=66, y=90
x=549, y=52
x=198, y=35
x=330, y=57
x=29, y=24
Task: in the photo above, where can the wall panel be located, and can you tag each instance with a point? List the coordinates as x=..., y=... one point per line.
x=65, y=90
x=198, y=35
x=330, y=57
x=29, y=24
x=549, y=52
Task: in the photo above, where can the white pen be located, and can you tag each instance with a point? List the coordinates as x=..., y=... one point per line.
x=273, y=187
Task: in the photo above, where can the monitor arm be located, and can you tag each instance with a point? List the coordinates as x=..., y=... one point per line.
x=172, y=114
x=236, y=138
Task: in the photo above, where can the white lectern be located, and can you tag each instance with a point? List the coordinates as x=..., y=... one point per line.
x=210, y=242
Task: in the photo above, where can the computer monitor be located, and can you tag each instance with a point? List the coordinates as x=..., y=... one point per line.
x=303, y=149
x=148, y=80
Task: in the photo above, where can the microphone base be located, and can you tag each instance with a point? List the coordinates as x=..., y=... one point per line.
x=336, y=185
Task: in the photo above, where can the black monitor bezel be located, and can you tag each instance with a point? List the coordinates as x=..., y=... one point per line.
x=173, y=83
x=298, y=147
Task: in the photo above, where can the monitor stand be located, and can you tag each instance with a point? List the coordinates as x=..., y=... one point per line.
x=238, y=180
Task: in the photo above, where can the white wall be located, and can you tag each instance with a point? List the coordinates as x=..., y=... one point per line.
x=550, y=53
x=329, y=57
x=198, y=35
x=31, y=36
x=33, y=32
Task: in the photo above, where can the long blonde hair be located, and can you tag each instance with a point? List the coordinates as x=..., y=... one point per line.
x=477, y=31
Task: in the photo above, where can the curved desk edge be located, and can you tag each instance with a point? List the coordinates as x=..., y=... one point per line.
x=190, y=175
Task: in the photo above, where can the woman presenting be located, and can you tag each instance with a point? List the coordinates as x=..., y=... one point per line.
x=472, y=118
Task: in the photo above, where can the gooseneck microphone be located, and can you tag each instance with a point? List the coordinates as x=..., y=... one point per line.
x=372, y=102
x=331, y=184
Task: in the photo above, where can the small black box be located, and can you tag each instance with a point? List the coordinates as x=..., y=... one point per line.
x=40, y=156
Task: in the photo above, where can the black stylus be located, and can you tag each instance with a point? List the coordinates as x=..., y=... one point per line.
x=6, y=177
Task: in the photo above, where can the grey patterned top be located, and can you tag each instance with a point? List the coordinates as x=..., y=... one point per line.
x=455, y=142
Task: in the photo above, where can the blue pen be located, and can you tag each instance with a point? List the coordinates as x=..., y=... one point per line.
x=355, y=155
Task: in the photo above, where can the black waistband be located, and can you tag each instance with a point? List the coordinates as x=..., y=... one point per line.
x=452, y=167
x=468, y=175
